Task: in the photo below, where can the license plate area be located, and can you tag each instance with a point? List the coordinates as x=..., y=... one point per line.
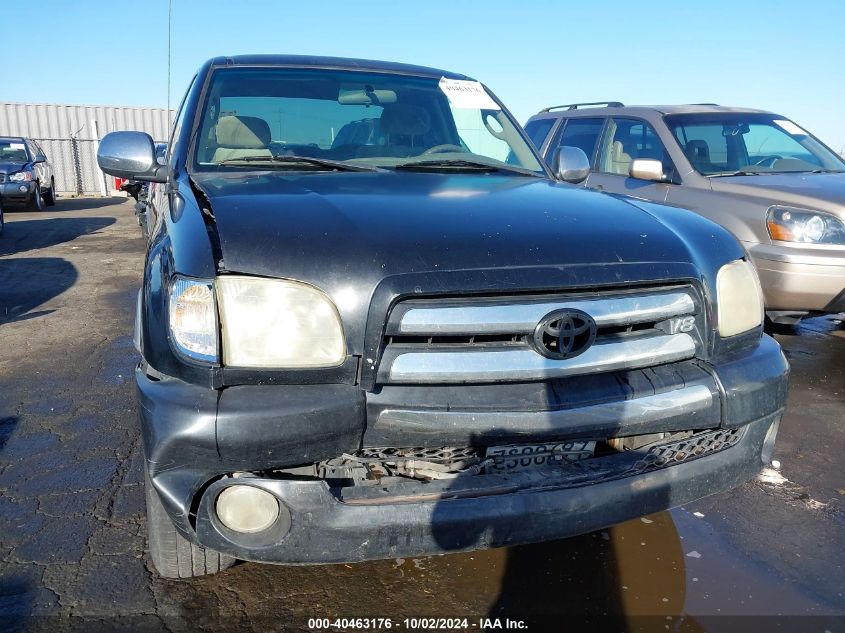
x=514, y=457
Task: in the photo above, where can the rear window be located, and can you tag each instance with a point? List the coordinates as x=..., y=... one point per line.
x=582, y=133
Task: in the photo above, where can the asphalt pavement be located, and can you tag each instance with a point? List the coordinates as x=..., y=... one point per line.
x=72, y=533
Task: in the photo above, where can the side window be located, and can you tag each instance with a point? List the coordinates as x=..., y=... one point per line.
x=581, y=133
x=538, y=130
x=626, y=140
x=177, y=124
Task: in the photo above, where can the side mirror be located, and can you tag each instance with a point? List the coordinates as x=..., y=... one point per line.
x=573, y=166
x=647, y=169
x=40, y=158
x=130, y=155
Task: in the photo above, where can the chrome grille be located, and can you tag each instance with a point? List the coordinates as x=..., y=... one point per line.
x=521, y=318
x=486, y=340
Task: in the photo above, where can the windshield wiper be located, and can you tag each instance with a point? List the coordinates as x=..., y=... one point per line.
x=328, y=165
x=826, y=171
x=463, y=164
x=740, y=172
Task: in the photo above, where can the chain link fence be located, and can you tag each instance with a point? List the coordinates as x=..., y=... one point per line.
x=75, y=169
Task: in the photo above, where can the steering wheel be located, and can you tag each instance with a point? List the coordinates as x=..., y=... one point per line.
x=768, y=161
x=442, y=149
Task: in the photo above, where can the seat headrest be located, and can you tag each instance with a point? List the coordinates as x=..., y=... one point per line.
x=406, y=119
x=617, y=150
x=697, y=149
x=242, y=132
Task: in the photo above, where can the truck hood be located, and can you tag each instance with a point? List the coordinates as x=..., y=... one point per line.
x=348, y=233
x=821, y=191
x=10, y=168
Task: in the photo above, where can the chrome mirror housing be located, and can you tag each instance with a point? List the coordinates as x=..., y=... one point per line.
x=130, y=155
x=647, y=169
x=573, y=166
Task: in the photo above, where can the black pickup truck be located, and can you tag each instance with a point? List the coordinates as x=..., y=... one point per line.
x=374, y=324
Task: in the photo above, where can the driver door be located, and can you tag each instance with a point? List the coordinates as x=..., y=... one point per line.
x=624, y=140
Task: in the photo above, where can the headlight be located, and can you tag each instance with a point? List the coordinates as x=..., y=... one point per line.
x=278, y=323
x=21, y=176
x=740, y=298
x=786, y=224
x=193, y=319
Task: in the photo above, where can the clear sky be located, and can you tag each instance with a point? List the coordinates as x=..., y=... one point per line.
x=783, y=56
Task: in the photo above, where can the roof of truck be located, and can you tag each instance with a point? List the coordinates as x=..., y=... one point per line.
x=333, y=62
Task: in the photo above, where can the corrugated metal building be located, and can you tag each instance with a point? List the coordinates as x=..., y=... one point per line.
x=70, y=135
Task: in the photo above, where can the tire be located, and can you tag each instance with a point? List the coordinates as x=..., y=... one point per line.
x=50, y=196
x=37, y=201
x=172, y=554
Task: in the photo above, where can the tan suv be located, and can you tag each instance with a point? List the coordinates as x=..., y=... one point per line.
x=779, y=189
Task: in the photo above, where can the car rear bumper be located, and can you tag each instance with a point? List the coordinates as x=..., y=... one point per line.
x=193, y=435
x=799, y=280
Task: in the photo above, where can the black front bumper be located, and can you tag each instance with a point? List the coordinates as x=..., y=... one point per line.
x=497, y=512
x=193, y=435
x=11, y=191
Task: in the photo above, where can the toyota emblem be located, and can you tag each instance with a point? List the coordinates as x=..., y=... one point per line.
x=564, y=334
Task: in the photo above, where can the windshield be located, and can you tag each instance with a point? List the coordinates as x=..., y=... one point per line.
x=343, y=119
x=13, y=152
x=727, y=144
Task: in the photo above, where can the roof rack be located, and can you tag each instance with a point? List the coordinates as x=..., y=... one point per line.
x=575, y=106
x=710, y=104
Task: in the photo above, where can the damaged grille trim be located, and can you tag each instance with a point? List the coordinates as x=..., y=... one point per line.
x=401, y=364
x=687, y=407
x=574, y=474
x=522, y=318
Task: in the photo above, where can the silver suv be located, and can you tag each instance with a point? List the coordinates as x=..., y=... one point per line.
x=779, y=189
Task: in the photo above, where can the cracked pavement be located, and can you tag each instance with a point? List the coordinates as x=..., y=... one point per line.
x=72, y=526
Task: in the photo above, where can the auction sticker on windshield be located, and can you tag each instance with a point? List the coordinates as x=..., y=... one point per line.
x=467, y=94
x=790, y=127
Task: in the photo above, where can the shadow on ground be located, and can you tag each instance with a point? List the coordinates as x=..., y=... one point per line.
x=26, y=235
x=630, y=577
x=28, y=282
x=7, y=425
x=66, y=205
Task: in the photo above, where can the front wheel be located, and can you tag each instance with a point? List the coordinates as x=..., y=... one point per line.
x=36, y=203
x=173, y=555
x=50, y=196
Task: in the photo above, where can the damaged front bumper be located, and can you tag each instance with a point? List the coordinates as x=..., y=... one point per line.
x=718, y=436
x=415, y=518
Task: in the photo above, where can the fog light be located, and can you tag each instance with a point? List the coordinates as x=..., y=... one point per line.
x=247, y=509
x=22, y=189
